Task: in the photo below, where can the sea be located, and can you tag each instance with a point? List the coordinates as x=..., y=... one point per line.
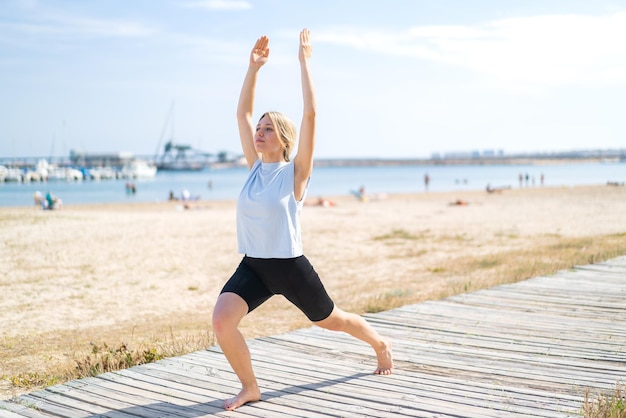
x=327, y=181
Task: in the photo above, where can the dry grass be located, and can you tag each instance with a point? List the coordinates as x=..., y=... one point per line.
x=607, y=405
x=466, y=273
x=104, y=358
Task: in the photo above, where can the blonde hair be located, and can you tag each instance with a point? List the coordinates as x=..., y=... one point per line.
x=286, y=131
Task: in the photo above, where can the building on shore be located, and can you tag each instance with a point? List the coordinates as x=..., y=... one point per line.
x=83, y=159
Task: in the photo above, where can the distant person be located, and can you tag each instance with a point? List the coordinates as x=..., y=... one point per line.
x=130, y=188
x=426, y=181
x=269, y=231
x=52, y=202
x=321, y=201
x=361, y=194
x=459, y=202
x=542, y=178
x=185, y=196
x=492, y=190
x=39, y=199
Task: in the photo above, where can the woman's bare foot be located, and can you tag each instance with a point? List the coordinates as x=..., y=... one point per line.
x=385, y=358
x=245, y=396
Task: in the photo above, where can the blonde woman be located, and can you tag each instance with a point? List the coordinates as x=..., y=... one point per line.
x=269, y=234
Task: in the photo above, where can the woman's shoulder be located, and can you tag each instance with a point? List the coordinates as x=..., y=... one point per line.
x=256, y=164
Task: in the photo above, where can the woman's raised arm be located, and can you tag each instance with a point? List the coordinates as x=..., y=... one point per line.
x=303, y=160
x=258, y=57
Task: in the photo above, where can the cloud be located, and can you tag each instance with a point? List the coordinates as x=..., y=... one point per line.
x=548, y=50
x=105, y=27
x=220, y=4
x=79, y=26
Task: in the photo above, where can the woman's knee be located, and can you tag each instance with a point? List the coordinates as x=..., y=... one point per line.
x=229, y=310
x=334, y=322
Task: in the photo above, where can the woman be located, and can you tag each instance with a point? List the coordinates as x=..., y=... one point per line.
x=268, y=230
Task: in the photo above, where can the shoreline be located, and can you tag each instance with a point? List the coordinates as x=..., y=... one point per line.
x=310, y=200
x=333, y=180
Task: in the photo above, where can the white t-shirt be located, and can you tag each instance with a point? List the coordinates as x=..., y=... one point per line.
x=268, y=215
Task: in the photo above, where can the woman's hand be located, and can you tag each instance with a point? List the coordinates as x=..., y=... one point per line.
x=305, y=47
x=260, y=52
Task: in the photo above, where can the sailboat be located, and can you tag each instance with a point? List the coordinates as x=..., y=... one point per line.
x=138, y=169
x=178, y=157
x=181, y=158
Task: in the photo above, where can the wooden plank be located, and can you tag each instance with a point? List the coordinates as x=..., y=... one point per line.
x=279, y=387
x=431, y=328
x=516, y=340
x=274, y=366
x=48, y=405
x=457, y=311
x=197, y=404
x=12, y=410
x=488, y=369
x=144, y=377
x=319, y=384
x=427, y=342
x=466, y=350
x=195, y=374
x=5, y=413
x=419, y=389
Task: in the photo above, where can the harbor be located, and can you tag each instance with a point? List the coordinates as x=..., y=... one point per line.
x=82, y=166
x=179, y=157
x=218, y=181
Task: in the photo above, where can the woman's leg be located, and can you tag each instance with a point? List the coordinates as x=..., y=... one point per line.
x=228, y=312
x=358, y=327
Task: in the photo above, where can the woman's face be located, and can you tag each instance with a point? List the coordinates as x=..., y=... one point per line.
x=266, y=139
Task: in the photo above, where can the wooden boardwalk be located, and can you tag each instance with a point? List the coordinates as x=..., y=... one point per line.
x=529, y=349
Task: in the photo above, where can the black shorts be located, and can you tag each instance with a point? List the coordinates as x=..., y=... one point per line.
x=258, y=279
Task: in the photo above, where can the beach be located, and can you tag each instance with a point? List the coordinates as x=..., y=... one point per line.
x=142, y=273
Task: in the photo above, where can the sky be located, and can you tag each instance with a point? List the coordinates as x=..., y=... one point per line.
x=393, y=78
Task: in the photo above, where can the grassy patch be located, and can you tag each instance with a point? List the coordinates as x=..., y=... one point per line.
x=386, y=301
x=30, y=380
x=102, y=358
x=608, y=405
x=398, y=234
x=480, y=272
x=490, y=262
x=458, y=238
x=105, y=359
x=416, y=252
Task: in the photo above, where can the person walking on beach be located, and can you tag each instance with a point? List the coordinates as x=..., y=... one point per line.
x=269, y=234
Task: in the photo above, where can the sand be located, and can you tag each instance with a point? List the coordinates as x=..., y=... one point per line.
x=114, y=273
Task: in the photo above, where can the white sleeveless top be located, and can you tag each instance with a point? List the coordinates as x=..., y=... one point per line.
x=268, y=215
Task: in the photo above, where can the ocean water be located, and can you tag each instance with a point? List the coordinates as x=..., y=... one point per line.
x=326, y=181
